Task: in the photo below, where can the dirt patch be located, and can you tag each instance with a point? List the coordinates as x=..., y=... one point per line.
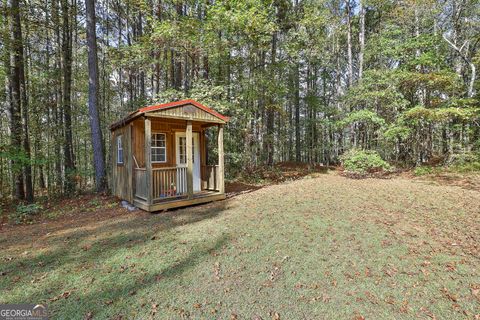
x=67, y=213
x=236, y=188
x=466, y=181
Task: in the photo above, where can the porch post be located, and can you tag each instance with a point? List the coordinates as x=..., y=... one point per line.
x=148, y=160
x=221, y=170
x=189, y=136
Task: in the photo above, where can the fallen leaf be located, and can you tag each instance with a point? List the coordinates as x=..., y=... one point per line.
x=154, y=308
x=449, y=295
x=475, y=292
x=64, y=295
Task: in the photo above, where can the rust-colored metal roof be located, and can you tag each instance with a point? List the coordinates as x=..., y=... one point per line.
x=173, y=104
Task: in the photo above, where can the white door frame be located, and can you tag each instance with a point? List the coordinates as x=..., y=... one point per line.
x=196, y=157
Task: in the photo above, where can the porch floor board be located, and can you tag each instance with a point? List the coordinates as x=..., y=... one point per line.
x=180, y=201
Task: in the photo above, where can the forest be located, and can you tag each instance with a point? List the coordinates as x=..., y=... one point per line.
x=302, y=81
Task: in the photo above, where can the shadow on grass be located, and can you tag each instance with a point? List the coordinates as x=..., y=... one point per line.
x=124, y=295
x=236, y=188
x=77, y=248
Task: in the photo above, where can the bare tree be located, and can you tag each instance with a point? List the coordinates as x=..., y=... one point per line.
x=96, y=132
x=361, y=39
x=463, y=53
x=67, y=97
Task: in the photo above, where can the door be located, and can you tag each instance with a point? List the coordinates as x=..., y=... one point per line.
x=181, y=145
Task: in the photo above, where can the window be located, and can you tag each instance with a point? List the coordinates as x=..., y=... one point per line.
x=119, y=150
x=183, y=150
x=159, y=150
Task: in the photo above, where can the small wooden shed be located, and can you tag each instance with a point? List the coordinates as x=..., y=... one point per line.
x=159, y=156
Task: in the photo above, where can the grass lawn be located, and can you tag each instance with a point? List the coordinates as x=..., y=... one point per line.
x=323, y=247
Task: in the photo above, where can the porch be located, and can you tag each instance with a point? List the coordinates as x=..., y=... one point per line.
x=169, y=187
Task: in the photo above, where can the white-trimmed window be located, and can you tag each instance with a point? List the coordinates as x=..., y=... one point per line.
x=159, y=147
x=119, y=150
x=183, y=150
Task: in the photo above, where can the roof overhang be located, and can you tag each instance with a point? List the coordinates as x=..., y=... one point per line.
x=156, y=110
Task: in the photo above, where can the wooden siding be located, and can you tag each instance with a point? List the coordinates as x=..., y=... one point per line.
x=187, y=112
x=122, y=173
x=169, y=127
x=124, y=184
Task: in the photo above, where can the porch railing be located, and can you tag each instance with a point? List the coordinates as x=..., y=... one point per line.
x=211, y=177
x=169, y=182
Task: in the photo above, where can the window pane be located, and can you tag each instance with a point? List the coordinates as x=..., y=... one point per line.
x=158, y=140
x=158, y=147
x=119, y=150
x=120, y=156
x=183, y=150
x=158, y=154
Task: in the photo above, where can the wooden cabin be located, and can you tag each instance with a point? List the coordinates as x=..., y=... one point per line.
x=159, y=156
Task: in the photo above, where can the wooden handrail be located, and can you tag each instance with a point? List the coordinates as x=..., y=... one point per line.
x=165, y=168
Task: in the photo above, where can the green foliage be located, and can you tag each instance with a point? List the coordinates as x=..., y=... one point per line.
x=397, y=130
x=24, y=213
x=423, y=170
x=438, y=115
x=465, y=162
x=378, y=89
x=363, y=161
x=363, y=116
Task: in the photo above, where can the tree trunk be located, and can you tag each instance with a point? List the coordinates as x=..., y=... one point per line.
x=16, y=100
x=67, y=103
x=96, y=132
x=361, y=39
x=297, y=113
x=270, y=110
x=27, y=168
x=349, y=44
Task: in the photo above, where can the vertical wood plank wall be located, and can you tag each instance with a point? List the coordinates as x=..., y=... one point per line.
x=148, y=160
x=134, y=136
x=122, y=173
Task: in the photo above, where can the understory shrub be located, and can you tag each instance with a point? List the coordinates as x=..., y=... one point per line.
x=25, y=213
x=364, y=162
x=465, y=162
x=423, y=170
x=457, y=163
